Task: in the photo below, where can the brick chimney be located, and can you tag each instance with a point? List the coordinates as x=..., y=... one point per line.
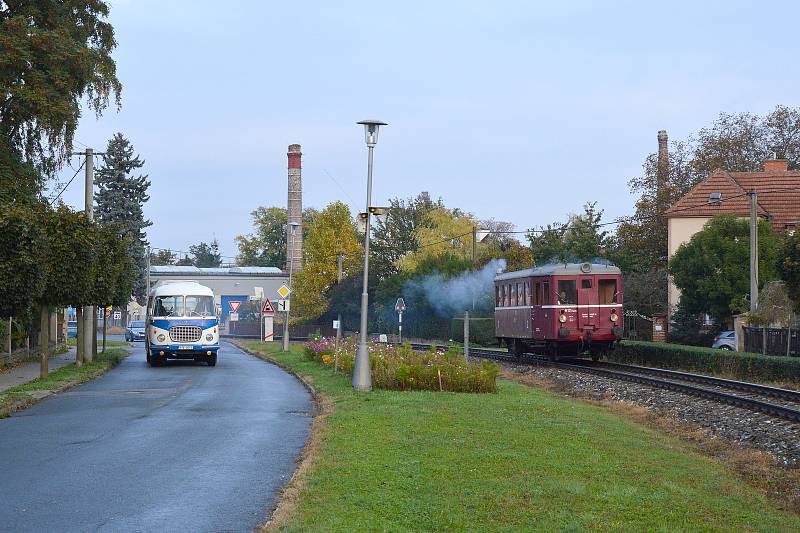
x=294, y=210
x=776, y=165
x=662, y=172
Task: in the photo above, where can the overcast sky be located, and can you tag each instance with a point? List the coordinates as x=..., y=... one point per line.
x=519, y=111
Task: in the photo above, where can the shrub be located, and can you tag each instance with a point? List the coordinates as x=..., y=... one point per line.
x=743, y=366
x=401, y=368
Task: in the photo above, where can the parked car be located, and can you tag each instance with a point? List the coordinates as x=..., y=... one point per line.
x=135, y=331
x=72, y=329
x=726, y=340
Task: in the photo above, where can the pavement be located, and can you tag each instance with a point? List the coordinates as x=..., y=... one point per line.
x=21, y=374
x=185, y=447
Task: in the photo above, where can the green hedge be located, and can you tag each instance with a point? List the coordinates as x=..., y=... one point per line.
x=481, y=330
x=743, y=366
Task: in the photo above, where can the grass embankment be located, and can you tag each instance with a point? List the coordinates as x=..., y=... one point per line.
x=522, y=459
x=25, y=395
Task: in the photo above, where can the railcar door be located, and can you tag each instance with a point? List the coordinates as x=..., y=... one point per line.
x=588, y=309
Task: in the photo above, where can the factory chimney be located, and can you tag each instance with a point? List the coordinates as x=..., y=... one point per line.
x=294, y=240
x=662, y=172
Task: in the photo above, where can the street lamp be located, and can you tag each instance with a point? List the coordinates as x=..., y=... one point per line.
x=292, y=228
x=362, y=380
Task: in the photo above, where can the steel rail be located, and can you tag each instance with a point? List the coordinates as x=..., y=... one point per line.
x=771, y=409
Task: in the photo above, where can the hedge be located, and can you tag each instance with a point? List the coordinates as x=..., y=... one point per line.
x=743, y=366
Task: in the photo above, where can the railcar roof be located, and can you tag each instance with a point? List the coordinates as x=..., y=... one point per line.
x=182, y=287
x=560, y=269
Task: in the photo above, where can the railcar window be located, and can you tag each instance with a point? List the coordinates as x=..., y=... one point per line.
x=586, y=284
x=607, y=289
x=514, y=287
x=527, y=293
x=537, y=294
x=567, y=293
x=546, y=293
x=497, y=296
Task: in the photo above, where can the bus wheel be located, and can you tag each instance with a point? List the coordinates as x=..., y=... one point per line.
x=149, y=360
x=212, y=360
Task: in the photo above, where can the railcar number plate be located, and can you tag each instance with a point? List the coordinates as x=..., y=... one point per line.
x=185, y=347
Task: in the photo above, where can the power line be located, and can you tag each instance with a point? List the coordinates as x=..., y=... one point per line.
x=51, y=202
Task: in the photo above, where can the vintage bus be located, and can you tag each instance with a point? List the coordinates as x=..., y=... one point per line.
x=182, y=323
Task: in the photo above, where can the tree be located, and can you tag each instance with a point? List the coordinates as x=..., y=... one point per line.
x=206, y=255
x=22, y=278
x=120, y=199
x=333, y=232
x=163, y=258
x=53, y=54
x=395, y=236
x=789, y=267
x=444, y=231
x=267, y=245
x=580, y=239
x=712, y=269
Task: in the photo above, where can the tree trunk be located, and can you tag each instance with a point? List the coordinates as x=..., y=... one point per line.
x=94, y=333
x=105, y=325
x=44, y=340
x=79, y=336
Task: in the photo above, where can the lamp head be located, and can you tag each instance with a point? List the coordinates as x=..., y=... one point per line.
x=371, y=130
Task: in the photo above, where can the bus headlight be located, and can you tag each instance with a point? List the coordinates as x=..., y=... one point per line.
x=161, y=338
x=562, y=317
x=209, y=337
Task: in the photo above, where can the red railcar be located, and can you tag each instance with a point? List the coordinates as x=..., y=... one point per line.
x=563, y=309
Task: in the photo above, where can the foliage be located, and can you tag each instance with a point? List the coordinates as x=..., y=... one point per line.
x=789, y=267
x=712, y=269
x=68, y=258
x=267, y=245
x=333, y=232
x=20, y=183
x=688, y=327
x=645, y=292
x=114, y=269
x=53, y=54
x=775, y=308
x=163, y=257
x=737, y=365
x=395, y=236
x=401, y=368
x=580, y=239
x=443, y=231
x=206, y=255
x=119, y=200
x=21, y=278
x=481, y=331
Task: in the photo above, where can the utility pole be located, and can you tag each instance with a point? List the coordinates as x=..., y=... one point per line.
x=147, y=294
x=90, y=333
x=753, y=250
x=339, y=314
x=474, y=246
x=292, y=226
x=466, y=336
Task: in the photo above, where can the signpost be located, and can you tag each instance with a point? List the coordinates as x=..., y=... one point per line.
x=234, y=317
x=267, y=318
x=400, y=306
x=283, y=306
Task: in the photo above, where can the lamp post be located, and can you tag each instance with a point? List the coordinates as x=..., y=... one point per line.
x=292, y=228
x=362, y=380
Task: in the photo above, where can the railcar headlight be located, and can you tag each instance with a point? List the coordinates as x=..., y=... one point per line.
x=209, y=337
x=614, y=316
x=161, y=338
x=562, y=317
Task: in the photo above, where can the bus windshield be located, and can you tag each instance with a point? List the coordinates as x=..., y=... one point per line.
x=168, y=306
x=200, y=306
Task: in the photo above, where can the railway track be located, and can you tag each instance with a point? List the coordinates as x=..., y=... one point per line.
x=772, y=401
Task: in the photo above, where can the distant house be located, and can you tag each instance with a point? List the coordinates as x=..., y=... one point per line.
x=724, y=192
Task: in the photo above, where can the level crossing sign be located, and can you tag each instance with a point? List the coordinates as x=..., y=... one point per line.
x=267, y=308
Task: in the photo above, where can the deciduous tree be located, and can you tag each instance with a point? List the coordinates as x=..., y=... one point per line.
x=789, y=267
x=266, y=246
x=206, y=255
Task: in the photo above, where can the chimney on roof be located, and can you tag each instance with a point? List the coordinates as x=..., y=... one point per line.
x=662, y=172
x=294, y=211
x=776, y=165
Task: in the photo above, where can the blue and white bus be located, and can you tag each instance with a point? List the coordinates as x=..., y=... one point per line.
x=182, y=323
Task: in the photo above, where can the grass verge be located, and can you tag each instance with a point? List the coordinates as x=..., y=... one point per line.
x=522, y=459
x=109, y=343
x=23, y=396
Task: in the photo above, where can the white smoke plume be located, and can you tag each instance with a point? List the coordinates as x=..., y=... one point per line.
x=453, y=296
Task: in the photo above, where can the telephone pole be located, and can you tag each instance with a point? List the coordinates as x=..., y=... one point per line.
x=89, y=314
x=339, y=315
x=753, y=250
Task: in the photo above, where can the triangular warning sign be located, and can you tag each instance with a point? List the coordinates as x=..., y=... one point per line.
x=267, y=308
x=234, y=305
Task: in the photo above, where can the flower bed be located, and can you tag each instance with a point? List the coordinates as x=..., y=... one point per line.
x=398, y=367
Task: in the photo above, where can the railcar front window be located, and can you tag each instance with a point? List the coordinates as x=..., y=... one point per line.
x=199, y=306
x=607, y=289
x=168, y=306
x=567, y=294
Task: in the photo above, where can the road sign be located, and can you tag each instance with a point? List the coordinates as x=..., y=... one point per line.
x=283, y=291
x=117, y=315
x=234, y=306
x=234, y=317
x=335, y=324
x=400, y=306
x=252, y=298
x=267, y=308
x=283, y=305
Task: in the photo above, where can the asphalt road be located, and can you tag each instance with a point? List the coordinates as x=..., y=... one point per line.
x=179, y=448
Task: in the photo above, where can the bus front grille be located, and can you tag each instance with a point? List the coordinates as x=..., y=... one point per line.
x=185, y=333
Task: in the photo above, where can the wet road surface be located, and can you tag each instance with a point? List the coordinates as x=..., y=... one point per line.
x=180, y=448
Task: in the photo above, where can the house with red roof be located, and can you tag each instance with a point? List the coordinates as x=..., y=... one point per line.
x=723, y=192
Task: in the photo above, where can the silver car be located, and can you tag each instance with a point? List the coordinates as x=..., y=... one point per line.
x=726, y=340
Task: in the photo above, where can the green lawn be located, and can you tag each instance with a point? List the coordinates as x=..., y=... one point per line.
x=18, y=397
x=522, y=459
x=71, y=342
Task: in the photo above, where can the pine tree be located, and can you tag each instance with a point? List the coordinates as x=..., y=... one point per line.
x=119, y=202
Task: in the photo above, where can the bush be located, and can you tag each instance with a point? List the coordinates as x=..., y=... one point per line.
x=481, y=330
x=401, y=368
x=743, y=366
